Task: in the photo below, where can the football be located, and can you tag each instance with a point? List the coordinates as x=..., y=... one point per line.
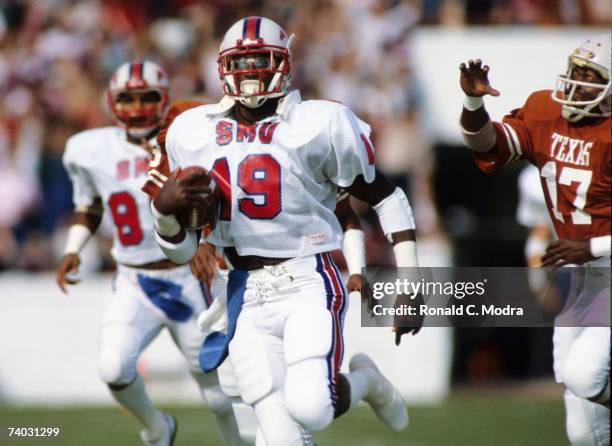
x=199, y=216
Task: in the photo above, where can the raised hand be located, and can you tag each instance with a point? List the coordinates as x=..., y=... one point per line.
x=474, y=79
x=69, y=264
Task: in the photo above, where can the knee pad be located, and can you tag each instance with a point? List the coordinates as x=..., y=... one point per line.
x=586, y=371
x=308, y=394
x=115, y=370
x=227, y=380
x=257, y=369
x=307, y=334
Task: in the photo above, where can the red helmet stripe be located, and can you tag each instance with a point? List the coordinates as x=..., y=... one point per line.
x=250, y=29
x=136, y=70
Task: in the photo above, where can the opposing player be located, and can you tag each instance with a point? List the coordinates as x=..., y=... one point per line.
x=278, y=161
x=108, y=166
x=566, y=134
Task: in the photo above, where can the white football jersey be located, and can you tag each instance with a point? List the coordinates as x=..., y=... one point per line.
x=102, y=163
x=278, y=177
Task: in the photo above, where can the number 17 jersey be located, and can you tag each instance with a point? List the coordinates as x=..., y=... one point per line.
x=278, y=178
x=574, y=160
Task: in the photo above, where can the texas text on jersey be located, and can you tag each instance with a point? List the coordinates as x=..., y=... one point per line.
x=574, y=162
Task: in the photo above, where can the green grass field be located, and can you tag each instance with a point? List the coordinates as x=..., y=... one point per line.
x=464, y=420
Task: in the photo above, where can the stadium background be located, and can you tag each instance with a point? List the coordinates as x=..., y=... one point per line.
x=396, y=64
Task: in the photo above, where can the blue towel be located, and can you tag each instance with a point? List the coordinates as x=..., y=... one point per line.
x=216, y=345
x=166, y=296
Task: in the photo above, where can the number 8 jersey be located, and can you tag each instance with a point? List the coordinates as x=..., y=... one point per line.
x=574, y=161
x=102, y=163
x=278, y=178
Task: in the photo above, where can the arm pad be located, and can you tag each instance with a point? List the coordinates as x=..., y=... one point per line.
x=353, y=248
x=78, y=236
x=394, y=213
x=182, y=252
x=166, y=225
x=481, y=140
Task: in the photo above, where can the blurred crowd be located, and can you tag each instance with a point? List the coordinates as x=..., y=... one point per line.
x=57, y=55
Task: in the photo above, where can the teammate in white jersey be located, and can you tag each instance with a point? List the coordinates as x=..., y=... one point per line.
x=278, y=161
x=108, y=166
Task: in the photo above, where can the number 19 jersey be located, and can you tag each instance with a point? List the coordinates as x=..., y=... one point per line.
x=278, y=178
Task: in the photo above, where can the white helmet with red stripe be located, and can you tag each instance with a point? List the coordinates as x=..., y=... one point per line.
x=255, y=61
x=138, y=95
x=596, y=55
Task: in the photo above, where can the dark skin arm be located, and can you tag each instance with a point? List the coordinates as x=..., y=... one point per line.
x=474, y=81
x=373, y=193
x=69, y=263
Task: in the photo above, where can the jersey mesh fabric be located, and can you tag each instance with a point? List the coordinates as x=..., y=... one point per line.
x=101, y=162
x=317, y=147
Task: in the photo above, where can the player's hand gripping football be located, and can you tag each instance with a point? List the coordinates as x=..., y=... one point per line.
x=176, y=196
x=68, y=265
x=474, y=79
x=562, y=252
x=406, y=323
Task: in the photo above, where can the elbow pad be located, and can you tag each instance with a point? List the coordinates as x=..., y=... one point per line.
x=181, y=252
x=394, y=213
x=78, y=236
x=481, y=140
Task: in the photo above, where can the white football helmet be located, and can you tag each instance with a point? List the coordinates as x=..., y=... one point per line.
x=255, y=61
x=139, y=76
x=595, y=54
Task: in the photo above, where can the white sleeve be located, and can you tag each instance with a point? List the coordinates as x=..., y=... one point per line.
x=352, y=152
x=83, y=189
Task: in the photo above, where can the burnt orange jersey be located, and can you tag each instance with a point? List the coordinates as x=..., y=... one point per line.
x=573, y=159
x=159, y=168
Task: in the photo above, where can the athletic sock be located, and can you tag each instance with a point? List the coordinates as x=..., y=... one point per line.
x=134, y=398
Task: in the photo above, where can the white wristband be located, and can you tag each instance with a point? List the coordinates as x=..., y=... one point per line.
x=600, y=246
x=406, y=254
x=78, y=236
x=473, y=103
x=166, y=225
x=353, y=248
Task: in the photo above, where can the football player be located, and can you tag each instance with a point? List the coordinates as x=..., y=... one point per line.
x=278, y=162
x=108, y=166
x=566, y=134
x=212, y=268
